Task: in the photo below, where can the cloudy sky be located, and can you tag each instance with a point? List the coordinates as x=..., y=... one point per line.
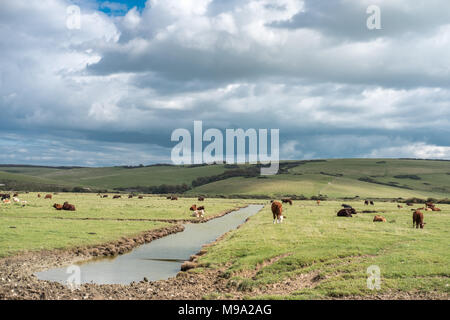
x=112, y=91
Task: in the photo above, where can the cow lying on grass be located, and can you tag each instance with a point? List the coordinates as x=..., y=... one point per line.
x=66, y=206
x=379, y=219
x=346, y=212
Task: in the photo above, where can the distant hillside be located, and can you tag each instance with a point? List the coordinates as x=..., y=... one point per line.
x=335, y=178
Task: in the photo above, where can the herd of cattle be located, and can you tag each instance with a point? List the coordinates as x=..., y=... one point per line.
x=277, y=207
x=348, y=211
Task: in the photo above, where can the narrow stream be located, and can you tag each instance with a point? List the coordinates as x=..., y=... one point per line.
x=157, y=260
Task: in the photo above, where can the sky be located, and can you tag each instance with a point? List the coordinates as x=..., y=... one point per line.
x=112, y=91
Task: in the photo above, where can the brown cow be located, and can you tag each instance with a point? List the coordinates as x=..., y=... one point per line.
x=347, y=212
x=117, y=196
x=141, y=197
x=48, y=196
x=15, y=195
x=173, y=198
x=277, y=211
x=286, y=200
x=58, y=206
x=169, y=198
x=67, y=206
x=39, y=195
x=193, y=207
x=130, y=196
x=418, y=219
x=105, y=196
x=399, y=206
x=201, y=198
x=435, y=209
x=379, y=219
x=318, y=202
x=409, y=204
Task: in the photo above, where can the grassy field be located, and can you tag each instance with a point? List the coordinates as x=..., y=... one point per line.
x=340, y=178
x=337, y=251
x=335, y=178
x=34, y=226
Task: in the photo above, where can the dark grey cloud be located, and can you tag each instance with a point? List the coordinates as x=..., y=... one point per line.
x=112, y=92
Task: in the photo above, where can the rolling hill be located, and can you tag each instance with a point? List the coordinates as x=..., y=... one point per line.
x=334, y=178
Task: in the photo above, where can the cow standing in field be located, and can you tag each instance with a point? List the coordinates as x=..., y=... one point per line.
x=130, y=196
x=418, y=219
x=318, y=202
x=371, y=203
x=48, y=196
x=286, y=200
x=277, y=212
x=105, y=196
x=399, y=206
x=141, y=197
x=117, y=197
x=201, y=198
x=173, y=198
x=366, y=203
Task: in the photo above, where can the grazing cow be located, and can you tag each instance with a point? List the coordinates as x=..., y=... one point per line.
x=277, y=211
x=67, y=206
x=141, y=197
x=58, y=206
x=201, y=198
x=371, y=203
x=198, y=211
x=418, y=219
x=379, y=219
x=117, y=196
x=429, y=204
x=435, y=209
x=346, y=206
x=399, y=206
x=347, y=212
x=366, y=202
x=48, y=196
x=286, y=200
x=173, y=198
